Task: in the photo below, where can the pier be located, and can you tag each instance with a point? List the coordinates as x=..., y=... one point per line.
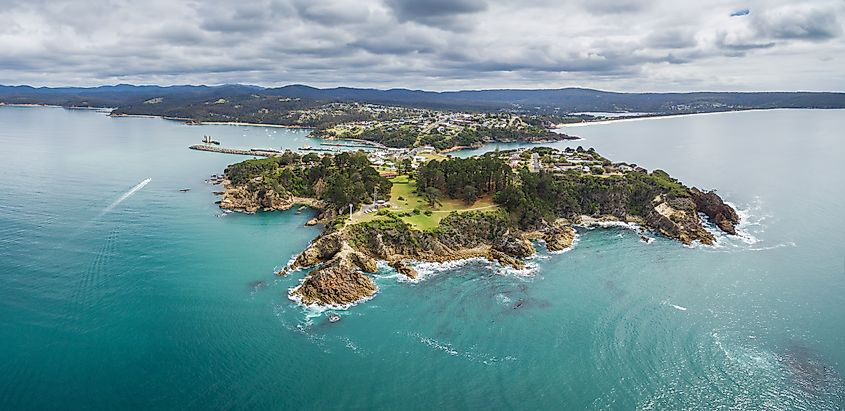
x=224, y=150
x=326, y=150
x=350, y=145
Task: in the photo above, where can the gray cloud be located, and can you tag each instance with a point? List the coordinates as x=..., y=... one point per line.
x=803, y=23
x=671, y=39
x=437, y=13
x=654, y=45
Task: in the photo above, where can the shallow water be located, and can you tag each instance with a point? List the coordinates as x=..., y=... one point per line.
x=161, y=301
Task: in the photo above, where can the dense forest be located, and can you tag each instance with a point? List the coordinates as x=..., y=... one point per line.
x=339, y=180
x=466, y=179
x=534, y=198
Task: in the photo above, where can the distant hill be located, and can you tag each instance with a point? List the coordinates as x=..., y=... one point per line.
x=571, y=100
x=114, y=96
x=188, y=99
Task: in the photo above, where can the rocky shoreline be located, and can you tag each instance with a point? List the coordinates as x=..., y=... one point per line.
x=341, y=258
x=242, y=199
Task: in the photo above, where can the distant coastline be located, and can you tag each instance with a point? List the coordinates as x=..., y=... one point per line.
x=235, y=123
x=668, y=116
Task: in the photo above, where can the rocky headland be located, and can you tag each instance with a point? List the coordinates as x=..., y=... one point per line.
x=341, y=258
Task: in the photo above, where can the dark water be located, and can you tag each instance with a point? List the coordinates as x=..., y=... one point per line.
x=162, y=302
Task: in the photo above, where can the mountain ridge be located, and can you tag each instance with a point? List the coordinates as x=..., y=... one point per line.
x=542, y=101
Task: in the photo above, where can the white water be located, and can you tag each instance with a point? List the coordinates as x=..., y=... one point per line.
x=125, y=195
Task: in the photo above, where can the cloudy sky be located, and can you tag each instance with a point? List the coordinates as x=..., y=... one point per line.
x=623, y=45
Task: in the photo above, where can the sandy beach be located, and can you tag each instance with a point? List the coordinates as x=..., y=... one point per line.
x=654, y=117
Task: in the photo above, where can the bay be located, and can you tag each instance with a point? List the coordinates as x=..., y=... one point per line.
x=160, y=301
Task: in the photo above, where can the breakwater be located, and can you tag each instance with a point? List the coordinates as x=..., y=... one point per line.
x=224, y=150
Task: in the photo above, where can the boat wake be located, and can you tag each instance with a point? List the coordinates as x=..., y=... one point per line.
x=125, y=195
x=451, y=350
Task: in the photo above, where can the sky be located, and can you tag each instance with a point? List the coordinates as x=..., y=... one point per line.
x=619, y=45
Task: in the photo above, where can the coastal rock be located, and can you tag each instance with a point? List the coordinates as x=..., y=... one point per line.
x=339, y=279
x=403, y=268
x=505, y=259
x=723, y=215
x=250, y=199
x=311, y=222
x=516, y=246
x=241, y=198
x=460, y=236
x=338, y=282
x=559, y=237
x=677, y=218
x=321, y=250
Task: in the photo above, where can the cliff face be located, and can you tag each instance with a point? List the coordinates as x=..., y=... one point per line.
x=245, y=199
x=343, y=256
x=460, y=236
x=538, y=207
x=339, y=278
x=723, y=215
x=669, y=214
x=677, y=218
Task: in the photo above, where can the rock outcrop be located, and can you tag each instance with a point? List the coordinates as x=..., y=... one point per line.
x=244, y=199
x=341, y=257
x=338, y=282
x=339, y=278
x=723, y=215
x=676, y=217
x=558, y=237
x=402, y=267
x=460, y=236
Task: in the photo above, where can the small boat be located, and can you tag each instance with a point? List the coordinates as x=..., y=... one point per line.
x=184, y=190
x=333, y=318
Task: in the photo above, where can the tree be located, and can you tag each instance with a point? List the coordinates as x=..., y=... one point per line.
x=470, y=194
x=432, y=195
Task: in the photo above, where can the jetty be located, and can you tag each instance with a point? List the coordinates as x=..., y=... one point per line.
x=329, y=150
x=349, y=145
x=224, y=150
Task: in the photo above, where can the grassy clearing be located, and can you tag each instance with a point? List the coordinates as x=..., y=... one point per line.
x=403, y=202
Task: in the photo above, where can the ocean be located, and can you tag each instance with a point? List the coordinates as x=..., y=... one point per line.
x=118, y=291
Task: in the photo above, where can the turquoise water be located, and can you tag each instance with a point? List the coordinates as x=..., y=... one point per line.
x=162, y=302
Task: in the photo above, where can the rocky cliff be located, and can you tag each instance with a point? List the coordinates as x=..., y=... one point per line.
x=534, y=207
x=342, y=257
x=247, y=199
x=723, y=215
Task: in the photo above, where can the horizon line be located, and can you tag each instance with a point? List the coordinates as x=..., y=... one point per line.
x=104, y=85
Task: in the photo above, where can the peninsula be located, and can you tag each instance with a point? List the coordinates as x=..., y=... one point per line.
x=425, y=207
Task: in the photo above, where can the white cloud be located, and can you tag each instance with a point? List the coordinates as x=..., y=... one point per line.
x=658, y=45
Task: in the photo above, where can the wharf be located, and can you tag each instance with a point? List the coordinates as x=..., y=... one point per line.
x=224, y=150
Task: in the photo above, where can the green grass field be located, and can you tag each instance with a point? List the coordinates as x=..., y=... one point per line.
x=403, y=200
